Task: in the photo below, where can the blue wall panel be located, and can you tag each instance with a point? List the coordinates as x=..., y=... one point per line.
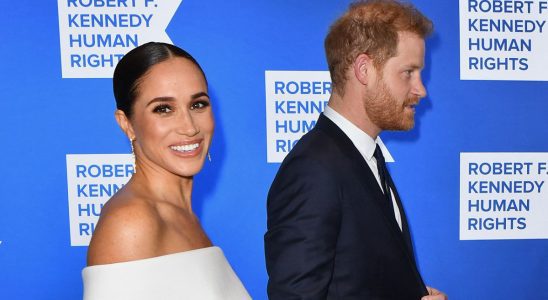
x=46, y=117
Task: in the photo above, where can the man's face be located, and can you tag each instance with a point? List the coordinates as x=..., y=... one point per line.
x=391, y=100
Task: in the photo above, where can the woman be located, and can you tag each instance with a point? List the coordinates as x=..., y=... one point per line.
x=148, y=244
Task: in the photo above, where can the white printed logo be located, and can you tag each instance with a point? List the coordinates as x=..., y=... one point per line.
x=503, y=196
x=92, y=179
x=294, y=101
x=95, y=34
x=503, y=40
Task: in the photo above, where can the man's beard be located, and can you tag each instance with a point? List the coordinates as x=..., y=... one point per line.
x=386, y=112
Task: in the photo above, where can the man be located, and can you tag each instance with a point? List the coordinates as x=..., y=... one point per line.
x=336, y=226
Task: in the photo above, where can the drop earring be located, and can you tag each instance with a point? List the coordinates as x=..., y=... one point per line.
x=209, y=157
x=133, y=155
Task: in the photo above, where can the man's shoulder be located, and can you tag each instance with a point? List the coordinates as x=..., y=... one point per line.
x=315, y=154
x=318, y=143
x=314, y=145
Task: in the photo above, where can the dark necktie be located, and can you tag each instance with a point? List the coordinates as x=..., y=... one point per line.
x=383, y=174
x=388, y=184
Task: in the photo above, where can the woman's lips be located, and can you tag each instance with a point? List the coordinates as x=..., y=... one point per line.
x=186, y=148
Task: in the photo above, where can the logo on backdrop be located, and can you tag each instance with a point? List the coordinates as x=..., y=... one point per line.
x=92, y=179
x=95, y=34
x=503, y=196
x=294, y=101
x=503, y=40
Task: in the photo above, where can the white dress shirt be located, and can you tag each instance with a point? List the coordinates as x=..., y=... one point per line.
x=366, y=146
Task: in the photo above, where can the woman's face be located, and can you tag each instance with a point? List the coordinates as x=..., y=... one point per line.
x=172, y=121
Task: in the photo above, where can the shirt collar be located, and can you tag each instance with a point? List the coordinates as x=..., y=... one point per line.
x=361, y=140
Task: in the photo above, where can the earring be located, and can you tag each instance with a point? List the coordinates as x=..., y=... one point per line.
x=133, y=155
x=209, y=157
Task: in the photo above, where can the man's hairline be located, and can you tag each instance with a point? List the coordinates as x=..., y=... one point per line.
x=380, y=68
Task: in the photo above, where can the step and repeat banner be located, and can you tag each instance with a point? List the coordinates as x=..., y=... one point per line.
x=473, y=172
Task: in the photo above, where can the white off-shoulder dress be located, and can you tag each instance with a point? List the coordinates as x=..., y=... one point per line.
x=202, y=274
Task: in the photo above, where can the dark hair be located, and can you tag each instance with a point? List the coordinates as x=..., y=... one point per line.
x=135, y=64
x=370, y=27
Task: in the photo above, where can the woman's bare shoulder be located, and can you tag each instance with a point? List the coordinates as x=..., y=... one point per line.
x=129, y=229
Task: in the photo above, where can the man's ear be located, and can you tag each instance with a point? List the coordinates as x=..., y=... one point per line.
x=124, y=124
x=363, y=68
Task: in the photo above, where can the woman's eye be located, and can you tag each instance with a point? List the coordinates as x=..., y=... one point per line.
x=162, y=109
x=199, y=105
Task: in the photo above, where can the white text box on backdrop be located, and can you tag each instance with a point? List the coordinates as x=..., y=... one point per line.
x=503, y=196
x=294, y=101
x=95, y=35
x=503, y=40
x=91, y=180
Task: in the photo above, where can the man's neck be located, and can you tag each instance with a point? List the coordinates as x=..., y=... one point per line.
x=351, y=107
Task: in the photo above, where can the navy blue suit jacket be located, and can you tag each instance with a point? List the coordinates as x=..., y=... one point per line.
x=331, y=232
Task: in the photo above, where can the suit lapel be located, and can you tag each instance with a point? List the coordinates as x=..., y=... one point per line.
x=405, y=227
x=362, y=170
x=406, y=234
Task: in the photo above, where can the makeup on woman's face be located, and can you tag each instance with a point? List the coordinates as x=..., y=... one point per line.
x=172, y=118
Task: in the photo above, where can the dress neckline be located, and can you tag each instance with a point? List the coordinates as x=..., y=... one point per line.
x=158, y=258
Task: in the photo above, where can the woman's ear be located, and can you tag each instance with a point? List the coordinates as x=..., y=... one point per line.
x=124, y=124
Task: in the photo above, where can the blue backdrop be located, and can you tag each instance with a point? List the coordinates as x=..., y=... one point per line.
x=46, y=117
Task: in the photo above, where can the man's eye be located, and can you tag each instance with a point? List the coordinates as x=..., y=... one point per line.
x=199, y=105
x=162, y=109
